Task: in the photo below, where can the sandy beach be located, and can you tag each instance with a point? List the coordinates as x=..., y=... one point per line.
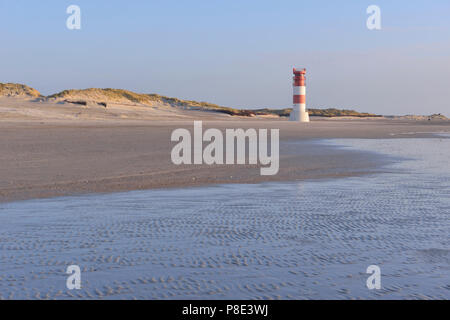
x=53, y=150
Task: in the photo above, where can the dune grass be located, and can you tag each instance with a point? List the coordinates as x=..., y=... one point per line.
x=14, y=89
x=109, y=95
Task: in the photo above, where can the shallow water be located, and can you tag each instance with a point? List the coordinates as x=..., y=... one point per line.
x=297, y=240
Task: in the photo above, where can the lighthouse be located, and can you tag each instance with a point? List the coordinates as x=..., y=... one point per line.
x=299, y=113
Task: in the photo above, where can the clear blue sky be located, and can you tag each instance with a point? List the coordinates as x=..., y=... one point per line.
x=237, y=53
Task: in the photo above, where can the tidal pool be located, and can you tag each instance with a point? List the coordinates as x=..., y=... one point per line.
x=295, y=240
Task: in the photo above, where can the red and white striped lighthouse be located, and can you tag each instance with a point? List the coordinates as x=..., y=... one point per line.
x=299, y=109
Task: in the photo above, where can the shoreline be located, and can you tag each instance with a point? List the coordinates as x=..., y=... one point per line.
x=51, y=159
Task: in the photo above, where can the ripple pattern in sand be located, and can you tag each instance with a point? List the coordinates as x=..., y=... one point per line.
x=305, y=240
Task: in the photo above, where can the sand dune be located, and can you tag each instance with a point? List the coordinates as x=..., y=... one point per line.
x=17, y=90
x=20, y=108
x=118, y=99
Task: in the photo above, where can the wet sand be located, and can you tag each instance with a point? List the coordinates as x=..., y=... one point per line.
x=49, y=158
x=278, y=240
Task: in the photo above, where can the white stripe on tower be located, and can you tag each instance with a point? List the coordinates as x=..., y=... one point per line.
x=299, y=91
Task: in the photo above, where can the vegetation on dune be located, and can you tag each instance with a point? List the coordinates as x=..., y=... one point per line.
x=105, y=96
x=110, y=95
x=16, y=90
x=203, y=106
x=124, y=96
x=330, y=112
x=278, y=112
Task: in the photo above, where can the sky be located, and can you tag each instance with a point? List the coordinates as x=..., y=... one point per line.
x=237, y=53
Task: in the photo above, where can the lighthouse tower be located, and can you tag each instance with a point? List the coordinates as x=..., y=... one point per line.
x=299, y=109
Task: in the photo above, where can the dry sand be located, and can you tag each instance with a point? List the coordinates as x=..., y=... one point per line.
x=52, y=150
